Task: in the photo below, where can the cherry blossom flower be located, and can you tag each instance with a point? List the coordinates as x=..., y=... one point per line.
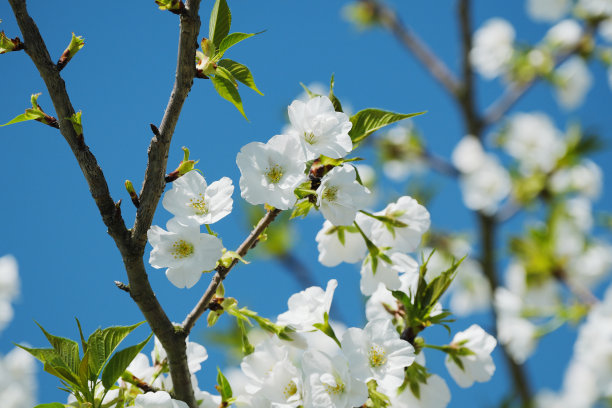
x=477, y=366
x=548, y=10
x=340, y=196
x=377, y=352
x=575, y=80
x=340, y=244
x=321, y=130
x=190, y=197
x=564, y=35
x=271, y=171
x=184, y=251
x=433, y=394
x=468, y=155
x=493, y=47
x=329, y=383
x=487, y=186
x=308, y=307
x=387, y=274
x=159, y=399
x=406, y=210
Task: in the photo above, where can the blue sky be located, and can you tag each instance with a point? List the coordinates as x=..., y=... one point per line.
x=121, y=81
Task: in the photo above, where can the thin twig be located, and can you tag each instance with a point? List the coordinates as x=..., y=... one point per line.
x=418, y=47
x=440, y=165
x=221, y=271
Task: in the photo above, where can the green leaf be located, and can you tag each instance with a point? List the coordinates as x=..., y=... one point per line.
x=83, y=342
x=220, y=22
x=224, y=73
x=119, y=362
x=228, y=91
x=231, y=40
x=102, y=343
x=368, y=121
x=301, y=209
x=332, y=97
x=224, y=387
x=67, y=349
x=53, y=364
x=30, y=114
x=240, y=72
x=308, y=91
x=50, y=405
x=326, y=328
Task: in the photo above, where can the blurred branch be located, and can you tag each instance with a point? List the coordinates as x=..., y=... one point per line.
x=440, y=165
x=297, y=269
x=222, y=271
x=415, y=45
x=516, y=91
x=581, y=292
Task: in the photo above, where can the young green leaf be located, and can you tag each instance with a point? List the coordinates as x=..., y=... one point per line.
x=301, y=209
x=30, y=114
x=326, y=328
x=240, y=72
x=67, y=349
x=332, y=97
x=368, y=121
x=220, y=22
x=50, y=405
x=224, y=387
x=228, y=91
x=224, y=73
x=102, y=343
x=231, y=40
x=119, y=362
x=54, y=364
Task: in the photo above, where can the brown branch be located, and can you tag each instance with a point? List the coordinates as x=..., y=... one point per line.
x=154, y=183
x=467, y=95
x=131, y=246
x=416, y=46
x=221, y=271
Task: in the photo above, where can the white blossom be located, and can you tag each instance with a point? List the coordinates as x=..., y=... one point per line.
x=382, y=304
x=406, y=210
x=159, y=399
x=548, y=10
x=321, y=130
x=478, y=366
x=190, y=197
x=596, y=8
x=575, y=80
x=585, y=178
x=270, y=172
x=470, y=291
x=533, y=140
x=433, y=394
x=493, y=47
x=484, y=188
x=387, y=274
x=340, y=196
x=468, y=155
x=196, y=354
x=377, y=352
x=564, y=35
x=184, y=251
x=333, y=251
x=308, y=307
x=516, y=333
x=329, y=383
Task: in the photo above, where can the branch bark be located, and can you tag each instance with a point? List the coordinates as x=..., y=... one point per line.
x=221, y=271
x=131, y=245
x=416, y=46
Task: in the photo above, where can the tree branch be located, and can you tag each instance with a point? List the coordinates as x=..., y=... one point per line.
x=467, y=94
x=221, y=271
x=154, y=183
x=131, y=246
x=416, y=46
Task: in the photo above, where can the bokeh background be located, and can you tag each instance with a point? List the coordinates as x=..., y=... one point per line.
x=122, y=79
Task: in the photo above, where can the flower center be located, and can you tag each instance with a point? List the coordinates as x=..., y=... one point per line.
x=182, y=249
x=377, y=356
x=330, y=193
x=290, y=389
x=333, y=384
x=310, y=138
x=199, y=205
x=274, y=173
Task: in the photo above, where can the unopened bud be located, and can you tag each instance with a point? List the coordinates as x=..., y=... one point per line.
x=76, y=43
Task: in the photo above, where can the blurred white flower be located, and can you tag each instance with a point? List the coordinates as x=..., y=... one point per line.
x=270, y=172
x=493, y=47
x=159, y=399
x=320, y=129
x=585, y=178
x=484, y=188
x=605, y=29
x=575, y=80
x=564, y=35
x=433, y=394
x=534, y=141
x=387, y=274
x=468, y=155
x=547, y=10
x=596, y=8
x=475, y=367
x=470, y=291
x=190, y=197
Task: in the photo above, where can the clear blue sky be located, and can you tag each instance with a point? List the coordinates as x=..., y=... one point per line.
x=121, y=81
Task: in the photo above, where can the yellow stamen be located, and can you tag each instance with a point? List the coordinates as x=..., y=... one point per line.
x=182, y=249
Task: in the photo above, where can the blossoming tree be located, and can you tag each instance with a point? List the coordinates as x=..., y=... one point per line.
x=303, y=357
